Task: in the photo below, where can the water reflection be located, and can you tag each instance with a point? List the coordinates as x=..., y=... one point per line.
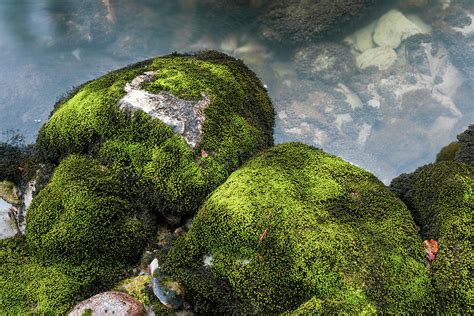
x=386, y=107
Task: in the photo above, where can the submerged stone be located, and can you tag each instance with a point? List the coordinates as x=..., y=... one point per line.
x=328, y=62
x=393, y=28
x=380, y=57
x=294, y=225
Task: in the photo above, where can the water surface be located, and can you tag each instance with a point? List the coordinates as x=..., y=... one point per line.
x=48, y=47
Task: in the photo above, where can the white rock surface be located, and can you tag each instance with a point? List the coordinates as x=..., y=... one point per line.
x=380, y=57
x=392, y=28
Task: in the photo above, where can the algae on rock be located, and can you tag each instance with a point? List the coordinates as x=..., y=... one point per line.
x=296, y=226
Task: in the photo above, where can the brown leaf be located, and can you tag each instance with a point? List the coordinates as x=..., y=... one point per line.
x=431, y=248
x=204, y=154
x=263, y=235
x=430, y=245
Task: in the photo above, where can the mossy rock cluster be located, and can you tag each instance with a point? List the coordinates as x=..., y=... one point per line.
x=296, y=229
x=441, y=199
x=238, y=123
x=117, y=173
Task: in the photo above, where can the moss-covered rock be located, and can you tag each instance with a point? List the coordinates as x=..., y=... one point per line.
x=441, y=199
x=237, y=123
x=448, y=152
x=465, y=154
x=83, y=232
x=296, y=228
x=84, y=214
x=26, y=286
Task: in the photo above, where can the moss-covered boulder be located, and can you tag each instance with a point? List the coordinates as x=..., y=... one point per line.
x=83, y=232
x=298, y=229
x=448, y=152
x=441, y=199
x=85, y=214
x=178, y=124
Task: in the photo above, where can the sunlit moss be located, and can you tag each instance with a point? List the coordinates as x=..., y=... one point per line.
x=238, y=123
x=296, y=226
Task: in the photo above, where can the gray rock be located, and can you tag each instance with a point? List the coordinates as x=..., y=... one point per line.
x=185, y=117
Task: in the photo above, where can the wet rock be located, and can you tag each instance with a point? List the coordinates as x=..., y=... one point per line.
x=169, y=292
x=9, y=192
x=380, y=57
x=109, y=303
x=184, y=117
x=329, y=62
x=392, y=28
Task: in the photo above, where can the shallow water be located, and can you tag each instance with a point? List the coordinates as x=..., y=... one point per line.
x=47, y=47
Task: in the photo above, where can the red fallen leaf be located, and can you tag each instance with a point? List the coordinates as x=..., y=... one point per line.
x=263, y=235
x=204, y=154
x=431, y=248
x=430, y=245
x=430, y=256
x=21, y=168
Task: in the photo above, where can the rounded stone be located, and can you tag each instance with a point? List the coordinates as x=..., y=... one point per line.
x=109, y=303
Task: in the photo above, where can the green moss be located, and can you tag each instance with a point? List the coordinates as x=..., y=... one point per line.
x=82, y=232
x=136, y=287
x=442, y=201
x=83, y=204
x=448, y=152
x=238, y=123
x=296, y=226
x=29, y=287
